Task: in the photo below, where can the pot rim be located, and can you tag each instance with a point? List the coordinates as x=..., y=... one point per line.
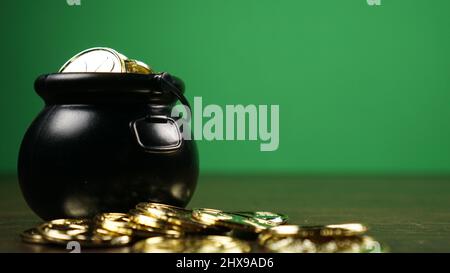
x=57, y=88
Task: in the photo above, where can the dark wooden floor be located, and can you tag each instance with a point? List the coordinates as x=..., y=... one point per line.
x=406, y=214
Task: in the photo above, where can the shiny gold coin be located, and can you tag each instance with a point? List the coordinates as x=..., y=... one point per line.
x=85, y=232
x=142, y=218
x=176, y=216
x=104, y=60
x=341, y=230
x=193, y=244
x=350, y=244
x=164, y=208
x=137, y=67
x=32, y=236
x=115, y=222
x=351, y=229
x=120, y=223
x=97, y=59
x=229, y=220
x=265, y=217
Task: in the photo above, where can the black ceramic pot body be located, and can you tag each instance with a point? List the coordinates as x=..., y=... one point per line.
x=105, y=142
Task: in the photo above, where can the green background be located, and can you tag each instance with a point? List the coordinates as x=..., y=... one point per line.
x=361, y=89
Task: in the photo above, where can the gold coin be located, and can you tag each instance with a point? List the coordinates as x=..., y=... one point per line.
x=163, y=227
x=228, y=220
x=350, y=244
x=120, y=223
x=265, y=217
x=175, y=216
x=350, y=229
x=137, y=67
x=104, y=60
x=166, y=209
x=341, y=230
x=192, y=244
x=33, y=236
x=97, y=59
x=85, y=232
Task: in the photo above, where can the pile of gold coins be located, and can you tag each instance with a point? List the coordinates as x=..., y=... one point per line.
x=160, y=228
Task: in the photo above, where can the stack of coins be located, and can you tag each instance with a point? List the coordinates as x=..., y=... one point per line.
x=156, y=227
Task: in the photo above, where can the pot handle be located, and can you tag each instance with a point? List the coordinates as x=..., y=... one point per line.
x=158, y=133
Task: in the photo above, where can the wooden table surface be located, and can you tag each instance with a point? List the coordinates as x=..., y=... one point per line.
x=406, y=214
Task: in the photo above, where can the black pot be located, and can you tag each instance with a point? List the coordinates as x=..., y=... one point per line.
x=105, y=142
